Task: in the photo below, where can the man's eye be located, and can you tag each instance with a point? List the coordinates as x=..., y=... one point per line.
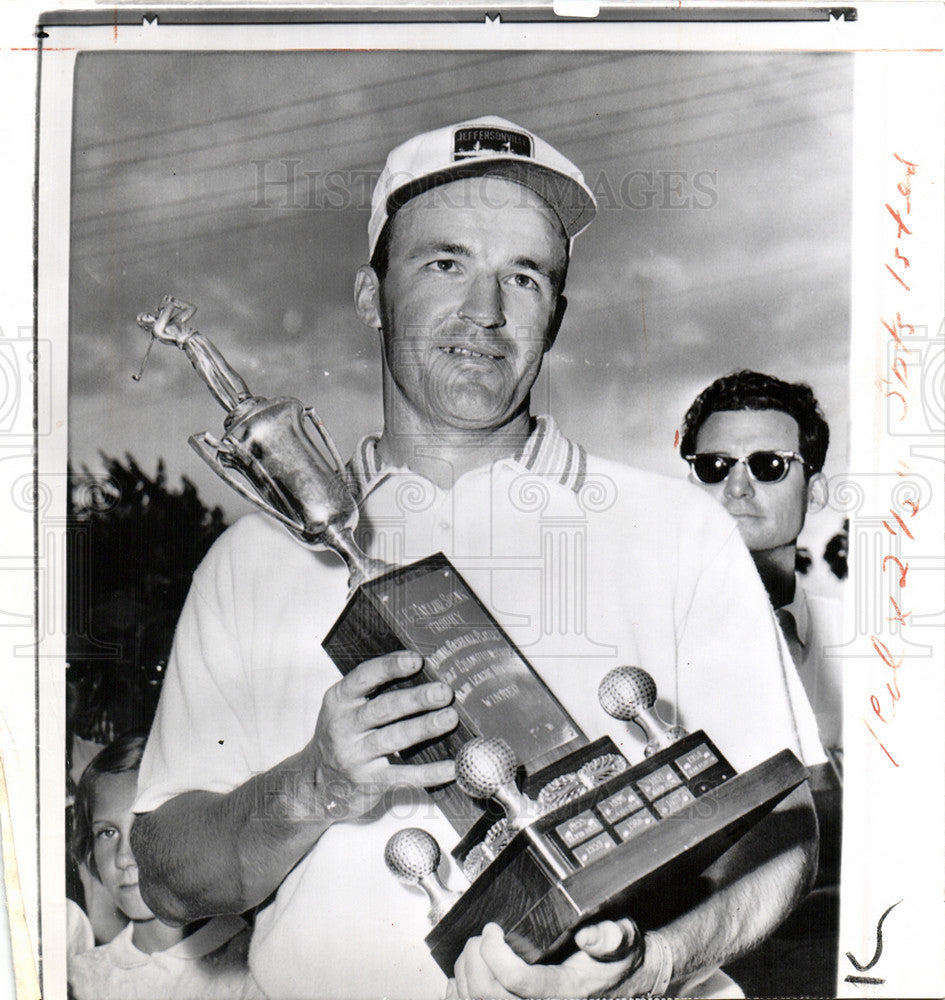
x=524, y=281
x=444, y=264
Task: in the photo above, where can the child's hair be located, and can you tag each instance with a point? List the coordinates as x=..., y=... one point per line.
x=121, y=755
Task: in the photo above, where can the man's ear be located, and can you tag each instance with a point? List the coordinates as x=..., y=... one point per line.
x=367, y=296
x=560, y=306
x=817, y=493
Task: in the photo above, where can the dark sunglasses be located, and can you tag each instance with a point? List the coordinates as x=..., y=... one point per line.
x=763, y=466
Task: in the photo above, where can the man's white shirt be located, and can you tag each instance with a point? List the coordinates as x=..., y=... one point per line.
x=586, y=564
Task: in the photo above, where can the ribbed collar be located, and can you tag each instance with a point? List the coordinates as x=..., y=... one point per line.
x=547, y=452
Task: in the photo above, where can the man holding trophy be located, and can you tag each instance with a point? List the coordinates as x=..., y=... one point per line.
x=268, y=782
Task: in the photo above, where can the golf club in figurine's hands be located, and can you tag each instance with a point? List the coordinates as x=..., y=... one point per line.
x=555, y=829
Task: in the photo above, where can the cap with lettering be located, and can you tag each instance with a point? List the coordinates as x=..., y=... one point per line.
x=488, y=145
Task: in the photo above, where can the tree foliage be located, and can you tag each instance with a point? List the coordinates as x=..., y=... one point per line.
x=133, y=545
x=836, y=550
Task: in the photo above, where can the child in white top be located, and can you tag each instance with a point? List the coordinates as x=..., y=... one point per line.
x=148, y=960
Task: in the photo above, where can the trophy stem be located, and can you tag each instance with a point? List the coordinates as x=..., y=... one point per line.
x=361, y=567
x=441, y=898
x=519, y=809
x=658, y=733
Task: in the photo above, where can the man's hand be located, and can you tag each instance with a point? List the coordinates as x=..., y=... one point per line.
x=205, y=853
x=357, y=729
x=610, y=952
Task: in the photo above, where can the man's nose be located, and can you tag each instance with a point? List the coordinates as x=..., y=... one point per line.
x=482, y=304
x=738, y=483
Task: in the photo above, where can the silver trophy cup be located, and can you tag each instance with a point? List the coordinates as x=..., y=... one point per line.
x=276, y=453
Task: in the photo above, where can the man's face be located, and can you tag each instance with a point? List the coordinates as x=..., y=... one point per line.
x=469, y=303
x=769, y=515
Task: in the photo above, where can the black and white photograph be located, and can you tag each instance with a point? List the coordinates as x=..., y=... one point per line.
x=509, y=434
x=461, y=515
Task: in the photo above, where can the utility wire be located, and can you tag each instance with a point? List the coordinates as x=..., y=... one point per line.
x=133, y=253
x=190, y=216
x=601, y=119
x=272, y=109
x=348, y=118
x=345, y=118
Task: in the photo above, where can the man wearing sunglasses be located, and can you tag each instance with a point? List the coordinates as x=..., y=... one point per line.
x=758, y=445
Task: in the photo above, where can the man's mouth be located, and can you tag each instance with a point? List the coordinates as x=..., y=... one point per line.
x=468, y=352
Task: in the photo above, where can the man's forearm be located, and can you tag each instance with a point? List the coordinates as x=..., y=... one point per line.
x=753, y=887
x=203, y=853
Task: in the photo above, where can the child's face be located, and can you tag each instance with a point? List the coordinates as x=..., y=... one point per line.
x=111, y=831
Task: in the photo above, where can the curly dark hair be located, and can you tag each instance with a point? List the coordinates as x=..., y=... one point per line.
x=121, y=755
x=748, y=390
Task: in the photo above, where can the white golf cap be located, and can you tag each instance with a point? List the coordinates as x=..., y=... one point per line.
x=487, y=145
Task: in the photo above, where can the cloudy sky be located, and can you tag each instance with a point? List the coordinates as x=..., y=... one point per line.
x=723, y=238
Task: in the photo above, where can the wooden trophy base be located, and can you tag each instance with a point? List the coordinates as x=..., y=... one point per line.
x=622, y=848
x=618, y=840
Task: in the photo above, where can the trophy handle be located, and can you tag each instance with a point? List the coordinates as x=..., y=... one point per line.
x=327, y=439
x=209, y=449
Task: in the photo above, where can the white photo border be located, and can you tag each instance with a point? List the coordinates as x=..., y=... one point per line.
x=894, y=810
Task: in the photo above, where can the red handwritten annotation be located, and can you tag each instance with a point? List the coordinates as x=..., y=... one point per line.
x=897, y=386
